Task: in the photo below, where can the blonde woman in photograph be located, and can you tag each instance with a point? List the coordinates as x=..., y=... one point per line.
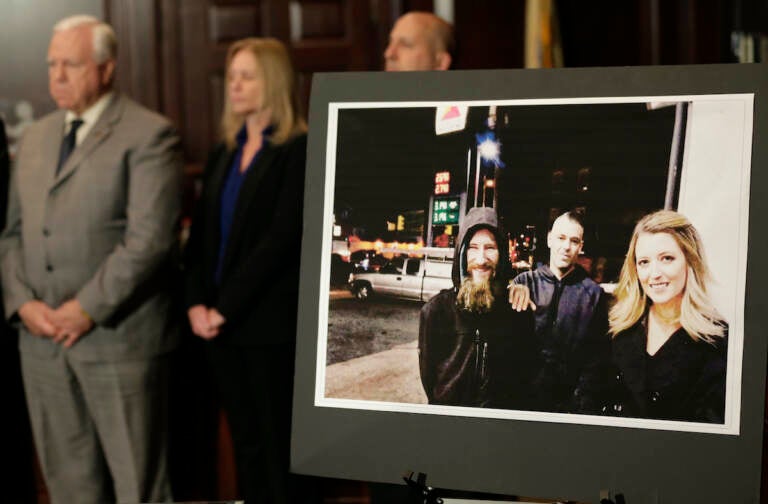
x=669, y=343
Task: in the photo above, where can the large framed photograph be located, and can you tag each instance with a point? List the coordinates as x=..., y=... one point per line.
x=638, y=347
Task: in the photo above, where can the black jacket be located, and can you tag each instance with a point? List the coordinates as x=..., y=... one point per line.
x=684, y=380
x=571, y=327
x=469, y=359
x=483, y=360
x=258, y=295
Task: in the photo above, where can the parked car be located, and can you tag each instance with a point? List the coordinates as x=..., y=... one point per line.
x=405, y=277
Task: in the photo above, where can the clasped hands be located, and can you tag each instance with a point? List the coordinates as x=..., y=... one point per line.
x=65, y=325
x=206, y=322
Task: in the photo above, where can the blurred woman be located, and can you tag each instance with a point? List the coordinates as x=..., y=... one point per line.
x=669, y=342
x=242, y=261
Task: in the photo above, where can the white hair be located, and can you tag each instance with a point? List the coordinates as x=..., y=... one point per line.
x=104, y=38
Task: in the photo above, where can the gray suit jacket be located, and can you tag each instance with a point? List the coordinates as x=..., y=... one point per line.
x=104, y=230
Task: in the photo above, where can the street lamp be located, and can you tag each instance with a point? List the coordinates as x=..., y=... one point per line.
x=489, y=152
x=489, y=149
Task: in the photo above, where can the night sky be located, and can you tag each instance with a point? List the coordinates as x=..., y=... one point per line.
x=386, y=160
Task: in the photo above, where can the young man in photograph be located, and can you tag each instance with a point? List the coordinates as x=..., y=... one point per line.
x=571, y=322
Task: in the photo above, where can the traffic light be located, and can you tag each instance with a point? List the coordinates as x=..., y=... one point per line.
x=401, y=222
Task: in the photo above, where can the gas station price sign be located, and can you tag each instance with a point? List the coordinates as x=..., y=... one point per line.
x=442, y=182
x=445, y=210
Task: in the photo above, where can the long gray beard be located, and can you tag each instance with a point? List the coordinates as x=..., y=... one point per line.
x=475, y=297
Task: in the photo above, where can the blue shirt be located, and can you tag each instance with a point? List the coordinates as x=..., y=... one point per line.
x=230, y=192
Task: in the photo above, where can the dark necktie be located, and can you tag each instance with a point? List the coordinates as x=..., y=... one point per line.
x=68, y=144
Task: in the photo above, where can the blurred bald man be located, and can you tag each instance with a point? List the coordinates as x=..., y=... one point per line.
x=419, y=41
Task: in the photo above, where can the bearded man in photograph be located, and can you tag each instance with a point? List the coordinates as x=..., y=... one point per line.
x=475, y=348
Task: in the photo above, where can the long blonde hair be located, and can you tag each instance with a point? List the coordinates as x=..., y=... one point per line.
x=698, y=316
x=279, y=91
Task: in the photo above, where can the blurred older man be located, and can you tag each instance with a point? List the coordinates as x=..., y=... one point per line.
x=86, y=254
x=419, y=41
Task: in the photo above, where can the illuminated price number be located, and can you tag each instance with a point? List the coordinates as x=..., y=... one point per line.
x=442, y=182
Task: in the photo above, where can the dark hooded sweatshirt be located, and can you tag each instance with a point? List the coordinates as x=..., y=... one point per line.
x=572, y=328
x=470, y=359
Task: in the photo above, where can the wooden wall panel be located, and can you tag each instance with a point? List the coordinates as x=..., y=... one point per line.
x=319, y=19
x=136, y=25
x=171, y=63
x=489, y=34
x=231, y=22
x=216, y=87
x=197, y=129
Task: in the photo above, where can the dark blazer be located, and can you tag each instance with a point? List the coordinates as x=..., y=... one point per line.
x=486, y=360
x=258, y=294
x=684, y=380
